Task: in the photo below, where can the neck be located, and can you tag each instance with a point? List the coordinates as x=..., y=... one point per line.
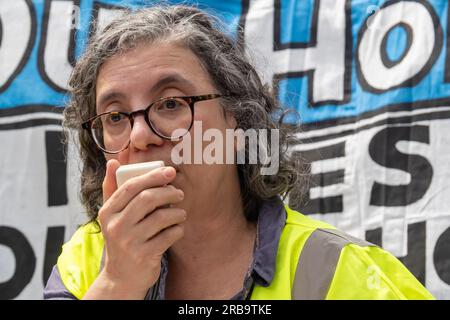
x=216, y=231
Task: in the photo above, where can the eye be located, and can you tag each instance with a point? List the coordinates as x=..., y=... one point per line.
x=114, y=118
x=170, y=104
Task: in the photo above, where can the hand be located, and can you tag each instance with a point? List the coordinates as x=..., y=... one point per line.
x=137, y=231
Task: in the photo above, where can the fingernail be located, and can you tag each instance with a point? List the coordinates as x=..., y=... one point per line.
x=169, y=172
x=181, y=194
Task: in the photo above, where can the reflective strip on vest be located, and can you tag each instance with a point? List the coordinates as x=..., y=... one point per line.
x=317, y=263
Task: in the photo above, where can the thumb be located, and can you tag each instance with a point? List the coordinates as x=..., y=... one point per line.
x=110, y=183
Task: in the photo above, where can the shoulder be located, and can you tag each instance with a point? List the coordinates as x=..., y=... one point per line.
x=86, y=241
x=80, y=260
x=333, y=264
x=295, y=218
x=370, y=272
x=317, y=233
x=55, y=288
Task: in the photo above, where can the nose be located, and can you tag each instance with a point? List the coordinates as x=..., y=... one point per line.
x=142, y=136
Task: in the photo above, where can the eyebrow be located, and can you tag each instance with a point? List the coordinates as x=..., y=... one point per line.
x=172, y=78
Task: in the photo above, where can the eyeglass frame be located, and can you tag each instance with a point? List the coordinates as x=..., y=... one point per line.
x=191, y=100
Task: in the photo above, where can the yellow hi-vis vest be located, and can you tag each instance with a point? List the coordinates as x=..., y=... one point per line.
x=314, y=261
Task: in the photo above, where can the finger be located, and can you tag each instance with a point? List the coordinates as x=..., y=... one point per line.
x=132, y=187
x=159, y=220
x=165, y=239
x=109, y=183
x=146, y=202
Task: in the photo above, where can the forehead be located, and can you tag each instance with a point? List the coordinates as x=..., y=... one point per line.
x=143, y=67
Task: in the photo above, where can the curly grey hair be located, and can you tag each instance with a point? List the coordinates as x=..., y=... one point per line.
x=252, y=103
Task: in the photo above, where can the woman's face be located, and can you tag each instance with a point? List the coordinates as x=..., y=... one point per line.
x=131, y=81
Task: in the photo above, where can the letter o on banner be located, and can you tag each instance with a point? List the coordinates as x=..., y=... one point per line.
x=441, y=256
x=425, y=35
x=25, y=262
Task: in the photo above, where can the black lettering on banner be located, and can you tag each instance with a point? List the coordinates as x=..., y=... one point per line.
x=28, y=110
x=29, y=47
x=372, y=123
x=375, y=236
x=441, y=256
x=382, y=149
x=387, y=61
x=53, y=245
x=278, y=45
x=310, y=74
x=415, y=257
x=416, y=78
x=56, y=168
x=43, y=44
x=25, y=262
x=330, y=204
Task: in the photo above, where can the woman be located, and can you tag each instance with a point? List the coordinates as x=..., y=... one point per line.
x=197, y=230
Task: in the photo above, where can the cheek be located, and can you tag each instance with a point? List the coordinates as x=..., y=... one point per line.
x=110, y=156
x=203, y=138
x=122, y=157
x=202, y=178
x=213, y=118
x=202, y=118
